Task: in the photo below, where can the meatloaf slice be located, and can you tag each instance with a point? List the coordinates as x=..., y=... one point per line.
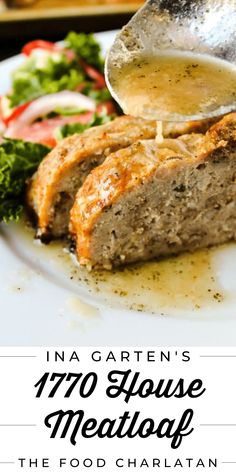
x=52, y=190
x=145, y=202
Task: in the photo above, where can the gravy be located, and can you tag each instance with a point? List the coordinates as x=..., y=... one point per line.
x=175, y=86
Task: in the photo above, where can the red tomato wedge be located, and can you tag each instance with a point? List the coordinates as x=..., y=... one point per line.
x=16, y=112
x=94, y=74
x=43, y=131
x=39, y=44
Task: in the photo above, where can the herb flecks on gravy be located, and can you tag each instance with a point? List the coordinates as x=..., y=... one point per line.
x=174, y=84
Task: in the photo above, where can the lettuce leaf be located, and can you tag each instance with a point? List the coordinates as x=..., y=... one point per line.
x=51, y=74
x=18, y=161
x=86, y=47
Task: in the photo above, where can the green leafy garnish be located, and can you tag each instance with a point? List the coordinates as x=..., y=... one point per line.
x=102, y=95
x=36, y=78
x=86, y=47
x=77, y=128
x=18, y=161
x=54, y=72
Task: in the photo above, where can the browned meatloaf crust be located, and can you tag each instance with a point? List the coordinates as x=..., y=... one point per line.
x=142, y=203
x=52, y=190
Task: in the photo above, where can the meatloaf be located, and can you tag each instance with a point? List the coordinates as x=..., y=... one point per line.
x=146, y=202
x=52, y=190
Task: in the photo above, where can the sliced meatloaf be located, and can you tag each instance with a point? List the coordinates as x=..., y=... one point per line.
x=145, y=202
x=52, y=190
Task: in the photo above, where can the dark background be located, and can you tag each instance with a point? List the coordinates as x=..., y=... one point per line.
x=14, y=35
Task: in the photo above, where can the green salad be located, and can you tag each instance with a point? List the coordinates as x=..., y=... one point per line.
x=57, y=91
x=58, y=70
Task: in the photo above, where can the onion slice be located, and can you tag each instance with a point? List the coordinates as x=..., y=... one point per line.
x=48, y=103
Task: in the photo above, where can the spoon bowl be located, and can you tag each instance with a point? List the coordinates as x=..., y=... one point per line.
x=202, y=27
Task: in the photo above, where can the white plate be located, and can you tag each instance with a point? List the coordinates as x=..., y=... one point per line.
x=43, y=302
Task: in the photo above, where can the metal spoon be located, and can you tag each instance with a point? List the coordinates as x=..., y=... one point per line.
x=199, y=26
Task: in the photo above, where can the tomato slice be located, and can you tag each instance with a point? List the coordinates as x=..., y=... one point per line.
x=43, y=131
x=16, y=112
x=39, y=44
x=94, y=74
